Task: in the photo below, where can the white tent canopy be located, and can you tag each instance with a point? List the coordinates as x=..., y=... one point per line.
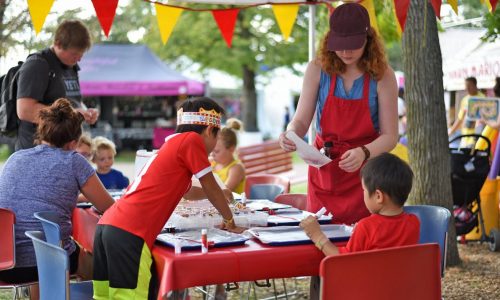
x=465, y=55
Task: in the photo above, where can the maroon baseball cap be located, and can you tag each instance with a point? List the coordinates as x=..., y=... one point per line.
x=349, y=24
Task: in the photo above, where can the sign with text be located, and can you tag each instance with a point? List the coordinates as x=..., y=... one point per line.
x=480, y=107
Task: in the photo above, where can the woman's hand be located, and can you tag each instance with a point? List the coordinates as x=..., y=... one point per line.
x=352, y=159
x=311, y=227
x=285, y=143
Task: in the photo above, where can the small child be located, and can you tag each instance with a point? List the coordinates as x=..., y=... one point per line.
x=127, y=231
x=84, y=146
x=103, y=155
x=386, y=181
x=230, y=170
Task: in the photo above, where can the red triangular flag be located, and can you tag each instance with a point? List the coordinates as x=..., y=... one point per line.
x=493, y=5
x=436, y=4
x=105, y=11
x=226, y=19
x=401, y=7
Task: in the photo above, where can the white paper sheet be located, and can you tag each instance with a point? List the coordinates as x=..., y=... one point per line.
x=307, y=152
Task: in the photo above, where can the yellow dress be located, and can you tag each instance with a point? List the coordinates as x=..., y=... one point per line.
x=224, y=174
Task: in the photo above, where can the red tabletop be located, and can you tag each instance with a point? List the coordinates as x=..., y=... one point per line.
x=252, y=261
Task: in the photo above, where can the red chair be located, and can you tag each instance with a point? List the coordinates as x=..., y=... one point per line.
x=267, y=179
x=8, y=252
x=409, y=272
x=296, y=200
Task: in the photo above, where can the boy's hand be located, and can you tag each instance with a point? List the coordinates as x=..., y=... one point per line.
x=231, y=227
x=311, y=227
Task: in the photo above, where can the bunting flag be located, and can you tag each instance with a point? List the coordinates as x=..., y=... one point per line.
x=368, y=4
x=167, y=17
x=436, y=4
x=454, y=5
x=401, y=7
x=226, y=19
x=105, y=11
x=39, y=9
x=398, y=26
x=487, y=3
x=285, y=16
x=493, y=4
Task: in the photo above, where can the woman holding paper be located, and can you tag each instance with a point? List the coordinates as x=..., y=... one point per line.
x=353, y=92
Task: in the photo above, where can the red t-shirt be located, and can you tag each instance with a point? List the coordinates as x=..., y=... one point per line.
x=154, y=194
x=377, y=232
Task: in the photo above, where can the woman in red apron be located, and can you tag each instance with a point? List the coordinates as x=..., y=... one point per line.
x=351, y=52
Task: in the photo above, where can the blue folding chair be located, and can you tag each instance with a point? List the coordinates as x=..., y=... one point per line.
x=53, y=271
x=50, y=224
x=434, y=221
x=265, y=191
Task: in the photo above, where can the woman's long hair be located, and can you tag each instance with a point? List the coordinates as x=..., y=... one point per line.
x=372, y=61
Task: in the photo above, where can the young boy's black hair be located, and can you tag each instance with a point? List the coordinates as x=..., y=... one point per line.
x=389, y=174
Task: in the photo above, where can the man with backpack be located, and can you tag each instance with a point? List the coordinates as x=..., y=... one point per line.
x=50, y=74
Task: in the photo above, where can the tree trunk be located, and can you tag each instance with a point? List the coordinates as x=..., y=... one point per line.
x=427, y=131
x=249, y=100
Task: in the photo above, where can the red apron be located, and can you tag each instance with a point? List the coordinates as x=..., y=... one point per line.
x=347, y=124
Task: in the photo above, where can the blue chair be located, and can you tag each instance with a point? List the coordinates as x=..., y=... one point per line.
x=434, y=221
x=50, y=224
x=53, y=271
x=265, y=191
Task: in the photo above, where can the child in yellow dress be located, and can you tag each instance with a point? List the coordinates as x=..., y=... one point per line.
x=229, y=169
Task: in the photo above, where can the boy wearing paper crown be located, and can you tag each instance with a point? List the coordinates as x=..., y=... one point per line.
x=126, y=232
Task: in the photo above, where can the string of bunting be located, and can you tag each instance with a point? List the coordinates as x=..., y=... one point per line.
x=225, y=18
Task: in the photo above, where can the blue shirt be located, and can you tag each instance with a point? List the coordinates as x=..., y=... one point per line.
x=355, y=93
x=114, y=179
x=43, y=178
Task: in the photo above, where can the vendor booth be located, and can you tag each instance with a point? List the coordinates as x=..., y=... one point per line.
x=135, y=91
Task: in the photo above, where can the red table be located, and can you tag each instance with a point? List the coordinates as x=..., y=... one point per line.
x=253, y=261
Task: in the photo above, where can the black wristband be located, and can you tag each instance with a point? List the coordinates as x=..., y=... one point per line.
x=366, y=151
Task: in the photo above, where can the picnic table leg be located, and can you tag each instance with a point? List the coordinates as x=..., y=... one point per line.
x=314, y=288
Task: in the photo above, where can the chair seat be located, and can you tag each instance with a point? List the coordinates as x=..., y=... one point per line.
x=81, y=290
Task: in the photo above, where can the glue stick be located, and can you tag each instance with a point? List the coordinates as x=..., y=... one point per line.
x=204, y=241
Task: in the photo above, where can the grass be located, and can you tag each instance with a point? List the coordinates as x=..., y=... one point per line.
x=299, y=188
x=125, y=156
x=4, y=152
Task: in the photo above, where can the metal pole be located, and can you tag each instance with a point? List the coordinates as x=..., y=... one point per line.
x=312, y=41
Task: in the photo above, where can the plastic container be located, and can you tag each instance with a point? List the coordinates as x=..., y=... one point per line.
x=489, y=206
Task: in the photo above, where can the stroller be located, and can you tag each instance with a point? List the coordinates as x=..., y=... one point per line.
x=469, y=169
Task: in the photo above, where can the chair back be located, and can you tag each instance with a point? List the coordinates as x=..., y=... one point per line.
x=296, y=200
x=267, y=179
x=408, y=272
x=7, y=239
x=265, y=191
x=53, y=267
x=434, y=222
x=50, y=224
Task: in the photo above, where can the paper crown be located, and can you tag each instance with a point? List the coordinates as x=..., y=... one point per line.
x=202, y=117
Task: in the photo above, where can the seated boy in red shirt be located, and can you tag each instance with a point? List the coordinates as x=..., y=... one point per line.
x=387, y=181
x=127, y=231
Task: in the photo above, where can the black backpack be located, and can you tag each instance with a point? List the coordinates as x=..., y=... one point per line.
x=9, y=121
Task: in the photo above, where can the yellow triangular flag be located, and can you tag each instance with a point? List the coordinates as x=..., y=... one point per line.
x=39, y=9
x=167, y=18
x=368, y=4
x=398, y=26
x=488, y=4
x=285, y=16
x=454, y=5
